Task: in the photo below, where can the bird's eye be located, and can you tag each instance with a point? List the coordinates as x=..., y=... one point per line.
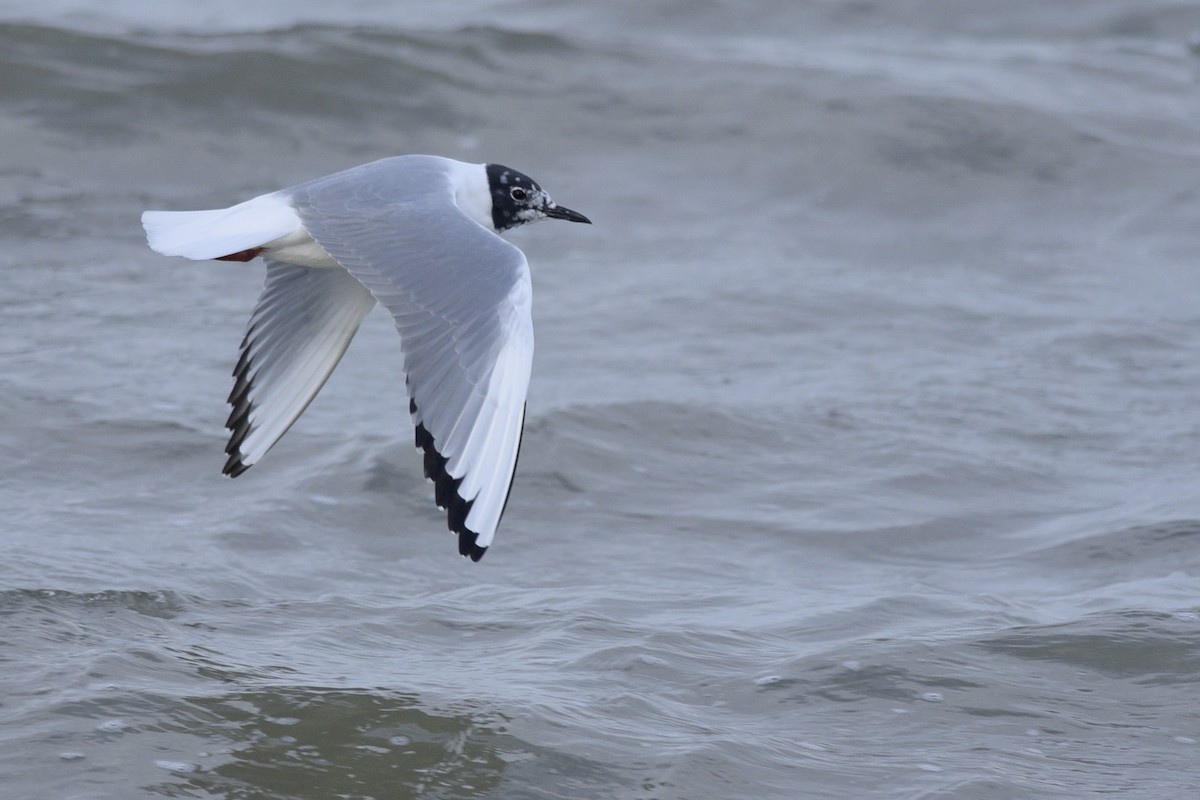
x=517, y=193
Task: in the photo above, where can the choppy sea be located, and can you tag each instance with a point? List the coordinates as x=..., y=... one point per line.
x=863, y=452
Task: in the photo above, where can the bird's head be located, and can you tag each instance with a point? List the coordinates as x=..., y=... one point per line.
x=518, y=200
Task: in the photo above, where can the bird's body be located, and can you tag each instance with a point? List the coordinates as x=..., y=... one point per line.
x=419, y=235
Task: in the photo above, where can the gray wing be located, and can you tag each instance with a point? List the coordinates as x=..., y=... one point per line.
x=460, y=297
x=301, y=326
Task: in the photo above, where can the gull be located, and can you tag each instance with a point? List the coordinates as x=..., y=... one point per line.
x=418, y=234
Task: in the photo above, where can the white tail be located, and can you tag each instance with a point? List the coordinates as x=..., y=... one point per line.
x=220, y=231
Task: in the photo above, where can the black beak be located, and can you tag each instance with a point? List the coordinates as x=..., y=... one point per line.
x=558, y=212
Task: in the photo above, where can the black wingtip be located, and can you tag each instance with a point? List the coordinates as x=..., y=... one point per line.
x=467, y=546
x=445, y=493
x=238, y=421
x=234, y=466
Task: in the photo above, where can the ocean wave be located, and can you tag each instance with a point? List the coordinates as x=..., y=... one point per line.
x=108, y=85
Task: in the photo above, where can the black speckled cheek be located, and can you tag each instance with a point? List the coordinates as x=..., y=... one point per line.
x=505, y=210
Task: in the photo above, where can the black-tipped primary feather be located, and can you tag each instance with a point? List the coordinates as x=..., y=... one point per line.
x=445, y=492
x=302, y=324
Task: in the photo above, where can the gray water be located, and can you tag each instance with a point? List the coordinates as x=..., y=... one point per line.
x=863, y=455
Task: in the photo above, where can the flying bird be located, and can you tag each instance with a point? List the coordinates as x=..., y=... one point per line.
x=418, y=234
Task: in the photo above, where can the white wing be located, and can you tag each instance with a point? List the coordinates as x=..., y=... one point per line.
x=461, y=299
x=303, y=323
